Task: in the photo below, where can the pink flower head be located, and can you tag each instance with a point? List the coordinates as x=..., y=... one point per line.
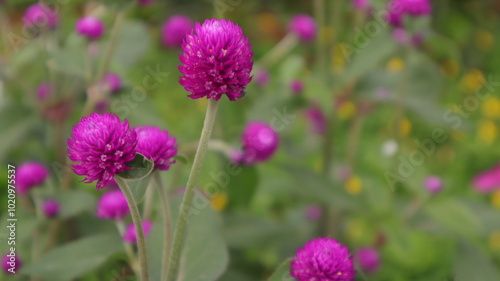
x=259, y=143
x=304, y=27
x=323, y=259
x=43, y=91
x=101, y=146
x=401, y=36
x=29, y=175
x=368, y=259
x=296, y=86
x=157, y=145
x=112, y=206
x=433, y=184
x=145, y=2
x=130, y=235
x=314, y=212
x=487, y=181
x=90, y=27
x=38, y=16
x=317, y=120
x=417, y=7
x=361, y=4
x=174, y=30
x=262, y=77
x=51, y=208
x=216, y=60
x=112, y=82
x=11, y=263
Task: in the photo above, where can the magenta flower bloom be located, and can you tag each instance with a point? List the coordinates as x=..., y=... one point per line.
x=314, y=212
x=259, y=142
x=317, y=120
x=112, y=82
x=322, y=259
x=38, y=16
x=433, y=184
x=417, y=7
x=304, y=27
x=487, y=181
x=262, y=77
x=112, y=206
x=130, y=235
x=174, y=30
x=51, y=208
x=11, y=263
x=361, y=4
x=29, y=175
x=368, y=259
x=145, y=2
x=157, y=145
x=43, y=91
x=296, y=86
x=216, y=60
x=101, y=146
x=90, y=27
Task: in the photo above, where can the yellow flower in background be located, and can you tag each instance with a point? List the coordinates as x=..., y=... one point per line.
x=353, y=185
x=395, y=65
x=494, y=240
x=338, y=59
x=484, y=40
x=488, y=131
x=472, y=80
x=219, y=201
x=495, y=199
x=404, y=127
x=491, y=107
x=450, y=68
x=346, y=110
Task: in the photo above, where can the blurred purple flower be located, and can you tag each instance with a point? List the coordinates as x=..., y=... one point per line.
x=130, y=235
x=145, y=2
x=304, y=27
x=11, y=265
x=216, y=60
x=259, y=143
x=44, y=90
x=112, y=206
x=174, y=30
x=29, y=175
x=317, y=120
x=487, y=181
x=401, y=36
x=368, y=259
x=38, y=16
x=157, y=145
x=262, y=77
x=296, y=86
x=417, y=39
x=51, y=208
x=397, y=9
x=314, y=212
x=101, y=145
x=361, y=4
x=323, y=259
x=90, y=27
x=433, y=184
x=112, y=82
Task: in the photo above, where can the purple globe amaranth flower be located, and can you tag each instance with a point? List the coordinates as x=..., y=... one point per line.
x=130, y=235
x=368, y=259
x=112, y=206
x=90, y=27
x=262, y=77
x=296, y=86
x=101, y=146
x=433, y=184
x=51, y=208
x=304, y=27
x=417, y=7
x=38, y=16
x=112, y=82
x=259, y=142
x=323, y=259
x=217, y=60
x=157, y=145
x=11, y=263
x=43, y=91
x=29, y=175
x=174, y=30
x=317, y=120
x=487, y=181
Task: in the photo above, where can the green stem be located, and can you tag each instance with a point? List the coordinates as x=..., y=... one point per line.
x=353, y=139
x=281, y=49
x=167, y=225
x=112, y=44
x=148, y=202
x=136, y=218
x=120, y=225
x=180, y=228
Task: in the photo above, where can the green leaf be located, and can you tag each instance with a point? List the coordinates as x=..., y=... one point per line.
x=473, y=264
x=242, y=187
x=205, y=256
x=141, y=167
x=139, y=187
x=75, y=202
x=181, y=158
x=15, y=122
x=133, y=41
x=282, y=273
x=76, y=258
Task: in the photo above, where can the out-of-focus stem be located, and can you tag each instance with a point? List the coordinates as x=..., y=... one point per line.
x=120, y=225
x=167, y=225
x=278, y=51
